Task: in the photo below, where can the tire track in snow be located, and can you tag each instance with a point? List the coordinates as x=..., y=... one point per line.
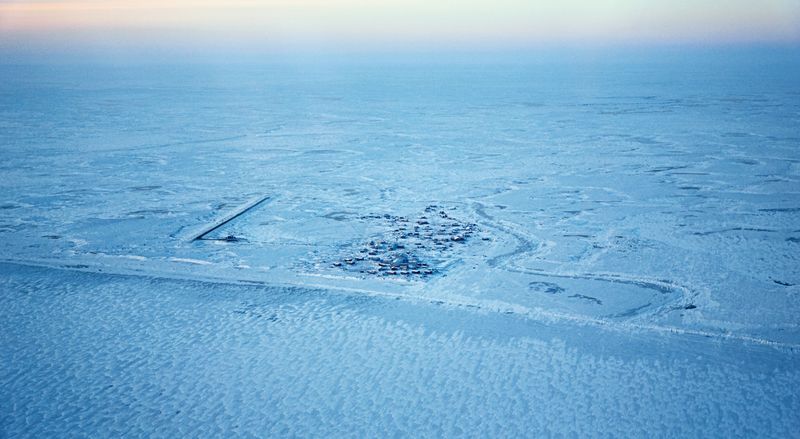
x=495, y=306
x=526, y=245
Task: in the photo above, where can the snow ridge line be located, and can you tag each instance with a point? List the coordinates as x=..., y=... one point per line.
x=520, y=311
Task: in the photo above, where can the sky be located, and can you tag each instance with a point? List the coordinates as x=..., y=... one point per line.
x=63, y=26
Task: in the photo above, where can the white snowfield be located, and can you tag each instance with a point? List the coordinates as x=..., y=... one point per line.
x=132, y=356
x=410, y=249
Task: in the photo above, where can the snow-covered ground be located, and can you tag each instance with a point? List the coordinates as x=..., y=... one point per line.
x=364, y=249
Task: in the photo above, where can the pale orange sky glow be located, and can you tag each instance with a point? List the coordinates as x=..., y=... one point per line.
x=281, y=23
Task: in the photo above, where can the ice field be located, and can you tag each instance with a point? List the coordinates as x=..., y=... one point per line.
x=509, y=247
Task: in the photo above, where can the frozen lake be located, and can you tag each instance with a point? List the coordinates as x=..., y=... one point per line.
x=500, y=247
